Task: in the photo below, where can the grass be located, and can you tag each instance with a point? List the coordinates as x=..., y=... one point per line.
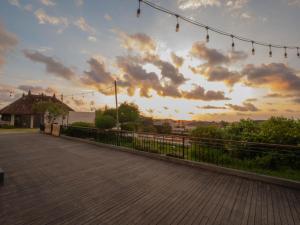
x=17, y=130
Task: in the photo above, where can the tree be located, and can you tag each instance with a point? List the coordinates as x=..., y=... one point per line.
x=52, y=110
x=280, y=130
x=105, y=122
x=165, y=128
x=207, y=132
x=244, y=130
x=128, y=112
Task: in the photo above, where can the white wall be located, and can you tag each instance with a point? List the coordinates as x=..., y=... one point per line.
x=88, y=117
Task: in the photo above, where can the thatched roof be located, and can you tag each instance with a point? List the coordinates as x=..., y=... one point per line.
x=24, y=105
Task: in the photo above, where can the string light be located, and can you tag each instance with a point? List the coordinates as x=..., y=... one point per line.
x=138, y=12
x=253, y=49
x=232, y=44
x=218, y=31
x=207, y=35
x=285, y=53
x=177, y=25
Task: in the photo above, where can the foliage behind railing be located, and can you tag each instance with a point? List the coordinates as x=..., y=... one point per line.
x=271, y=159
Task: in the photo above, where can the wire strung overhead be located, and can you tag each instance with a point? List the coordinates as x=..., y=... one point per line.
x=218, y=31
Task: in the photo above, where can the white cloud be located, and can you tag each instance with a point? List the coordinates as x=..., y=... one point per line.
x=107, y=17
x=43, y=18
x=28, y=7
x=79, y=2
x=14, y=2
x=48, y=2
x=194, y=4
x=92, y=38
x=84, y=26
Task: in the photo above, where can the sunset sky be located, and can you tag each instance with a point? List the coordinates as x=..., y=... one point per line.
x=79, y=46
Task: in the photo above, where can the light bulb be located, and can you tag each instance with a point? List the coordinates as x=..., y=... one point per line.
x=285, y=53
x=207, y=35
x=253, y=49
x=177, y=25
x=138, y=12
x=270, y=51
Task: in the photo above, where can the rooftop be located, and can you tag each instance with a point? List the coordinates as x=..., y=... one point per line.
x=56, y=181
x=24, y=105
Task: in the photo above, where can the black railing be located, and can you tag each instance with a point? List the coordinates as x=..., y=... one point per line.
x=271, y=159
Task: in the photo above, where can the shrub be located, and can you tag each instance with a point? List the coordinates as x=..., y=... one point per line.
x=7, y=126
x=105, y=122
x=82, y=124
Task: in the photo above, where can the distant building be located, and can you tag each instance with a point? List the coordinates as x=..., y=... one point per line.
x=20, y=113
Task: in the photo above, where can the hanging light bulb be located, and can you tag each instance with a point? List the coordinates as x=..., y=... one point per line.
x=285, y=53
x=298, y=53
x=138, y=12
x=207, y=35
x=177, y=25
x=232, y=44
x=10, y=94
x=253, y=49
x=270, y=50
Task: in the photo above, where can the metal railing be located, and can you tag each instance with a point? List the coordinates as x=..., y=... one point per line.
x=273, y=159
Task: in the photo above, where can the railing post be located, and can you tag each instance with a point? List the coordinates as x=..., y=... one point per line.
x=183, y=143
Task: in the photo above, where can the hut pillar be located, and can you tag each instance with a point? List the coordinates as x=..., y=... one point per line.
x=31, y=121
x=12, y=120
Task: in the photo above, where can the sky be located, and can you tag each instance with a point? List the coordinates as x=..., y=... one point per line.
x=82, y=46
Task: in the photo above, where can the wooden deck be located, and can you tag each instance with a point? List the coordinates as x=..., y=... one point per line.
x=55, y=181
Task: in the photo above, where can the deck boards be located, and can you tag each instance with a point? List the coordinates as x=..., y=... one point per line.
x=56, y=181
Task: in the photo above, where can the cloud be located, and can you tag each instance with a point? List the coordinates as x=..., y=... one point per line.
x=15, y=3
x=278, y=95
x=134, y=76
x=82, y=24
x=52, y=66
x=92, y=39
x=247, y=106
x=214, y=57
x=44, y=18
x=199, y=93
x=48, y=2
x=139, y=41
x=7, y=42
x=294, y=2
x=276, y=76
x=218, y=73
x=98, y=76
x=79, y=2
x=107, y=17
x=195, y=4
x=297, y=100
x=211, y=107
x=167, y=70
x=37, y=89
x=177, y=60
x=251, y=100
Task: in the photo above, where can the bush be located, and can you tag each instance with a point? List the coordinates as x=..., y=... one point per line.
x=7, y=126
x=105, y=122
x=82, y=124
x=207, y=132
